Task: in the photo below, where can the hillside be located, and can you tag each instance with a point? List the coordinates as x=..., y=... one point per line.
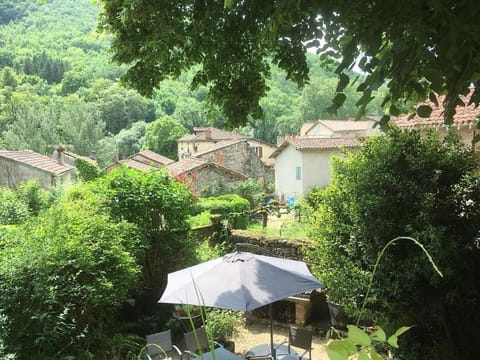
x=58, y=85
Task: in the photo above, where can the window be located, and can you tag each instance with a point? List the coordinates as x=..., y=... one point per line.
x=298, y=173
x=258, y=150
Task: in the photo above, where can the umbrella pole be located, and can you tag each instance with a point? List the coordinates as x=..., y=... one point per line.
x=270, y=314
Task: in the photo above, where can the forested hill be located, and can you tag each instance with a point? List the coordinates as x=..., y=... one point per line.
x=59, y=86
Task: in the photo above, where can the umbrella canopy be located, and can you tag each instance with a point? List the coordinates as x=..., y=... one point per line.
x=239, y=281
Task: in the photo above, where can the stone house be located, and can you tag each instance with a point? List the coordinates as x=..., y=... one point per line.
x=198, y=174
x=302, y=163
x=206, y=137
x=464, y=122
x=238, y=156
x=23, y=165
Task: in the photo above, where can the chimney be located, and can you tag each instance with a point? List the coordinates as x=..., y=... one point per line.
x=61, y=155
x=93, y=155
x=208, y=134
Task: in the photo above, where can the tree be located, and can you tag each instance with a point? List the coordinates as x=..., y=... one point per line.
x=403, y=44
x=130, y=141
x=161, y=136
x=34, y=127
x=404, y=184
x=80, y=269
x=81, y=125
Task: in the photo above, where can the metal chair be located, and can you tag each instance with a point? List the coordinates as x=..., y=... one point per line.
x=197, y=343
x=160, y=346
x=298, y=338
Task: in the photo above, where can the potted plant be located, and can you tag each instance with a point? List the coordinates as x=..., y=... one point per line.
x=221, y=325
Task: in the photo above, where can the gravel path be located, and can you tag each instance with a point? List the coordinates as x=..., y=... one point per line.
x=259, y=333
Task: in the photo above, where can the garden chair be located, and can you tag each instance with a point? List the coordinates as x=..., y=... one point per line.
x=298, y=338
x=160, y=346
x=196, y=342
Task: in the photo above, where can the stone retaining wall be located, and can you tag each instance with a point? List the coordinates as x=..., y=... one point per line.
x=274, y=246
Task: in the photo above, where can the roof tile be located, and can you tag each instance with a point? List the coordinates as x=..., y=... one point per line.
x=39, y=161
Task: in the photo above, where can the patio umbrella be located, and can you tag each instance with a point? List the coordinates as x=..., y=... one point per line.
x=239, y=281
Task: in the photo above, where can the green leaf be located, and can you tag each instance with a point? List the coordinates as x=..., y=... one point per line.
x=424, y=111
x=228, y=4
x=392, y=340
x=342, y=82
x=339, y=99
x=374, y=355
x=362, y=355
x=378, y=335
x=433, y=98
x=337, y=350
x=384, y=123
x=358, y=336
x=402, y=329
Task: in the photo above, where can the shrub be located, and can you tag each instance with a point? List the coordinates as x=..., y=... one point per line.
x=405, y=184
x=12, y=209
x=221, y=324
x=62, y=281
x=230, y=206
x=86, y=170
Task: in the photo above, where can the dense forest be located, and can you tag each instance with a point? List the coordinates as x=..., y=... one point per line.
x=58, y=85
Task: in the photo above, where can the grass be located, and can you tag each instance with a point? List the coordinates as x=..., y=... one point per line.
x=289, y=228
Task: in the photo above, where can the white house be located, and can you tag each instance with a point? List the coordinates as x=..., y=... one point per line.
x=304, y=162
x=338, y=128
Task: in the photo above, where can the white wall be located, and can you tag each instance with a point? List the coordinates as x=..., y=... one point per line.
x=317, y=168
x=320, y=131
x=286, y=184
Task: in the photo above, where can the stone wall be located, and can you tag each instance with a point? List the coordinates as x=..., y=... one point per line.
x=241, y=158
x=257, y=243
x=274, y=246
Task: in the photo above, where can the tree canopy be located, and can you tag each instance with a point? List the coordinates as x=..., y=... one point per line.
x=417, y=47
x=413, y=185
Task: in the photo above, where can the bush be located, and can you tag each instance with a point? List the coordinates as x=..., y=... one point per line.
x=230, y=206
x=405, y=184
x=12, y=209
x=221, y=324
x=62, y=281
x=86, y=170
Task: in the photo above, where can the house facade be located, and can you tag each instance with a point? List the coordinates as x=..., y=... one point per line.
x=338, y=129
x=198, y=174
x=23, y=165
x=205, y=137
x=238, y=156
x=302, y=163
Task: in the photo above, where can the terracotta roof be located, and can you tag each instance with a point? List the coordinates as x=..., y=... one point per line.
x=37, y=161
x=138, y=165
x=465, y=115
x=190, y=164
x=218, y=146
x=185, y=165
x=302, y=143
x=148, y=156
x=210, y=134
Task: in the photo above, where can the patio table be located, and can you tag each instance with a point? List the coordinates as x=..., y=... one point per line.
x=220, y=354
